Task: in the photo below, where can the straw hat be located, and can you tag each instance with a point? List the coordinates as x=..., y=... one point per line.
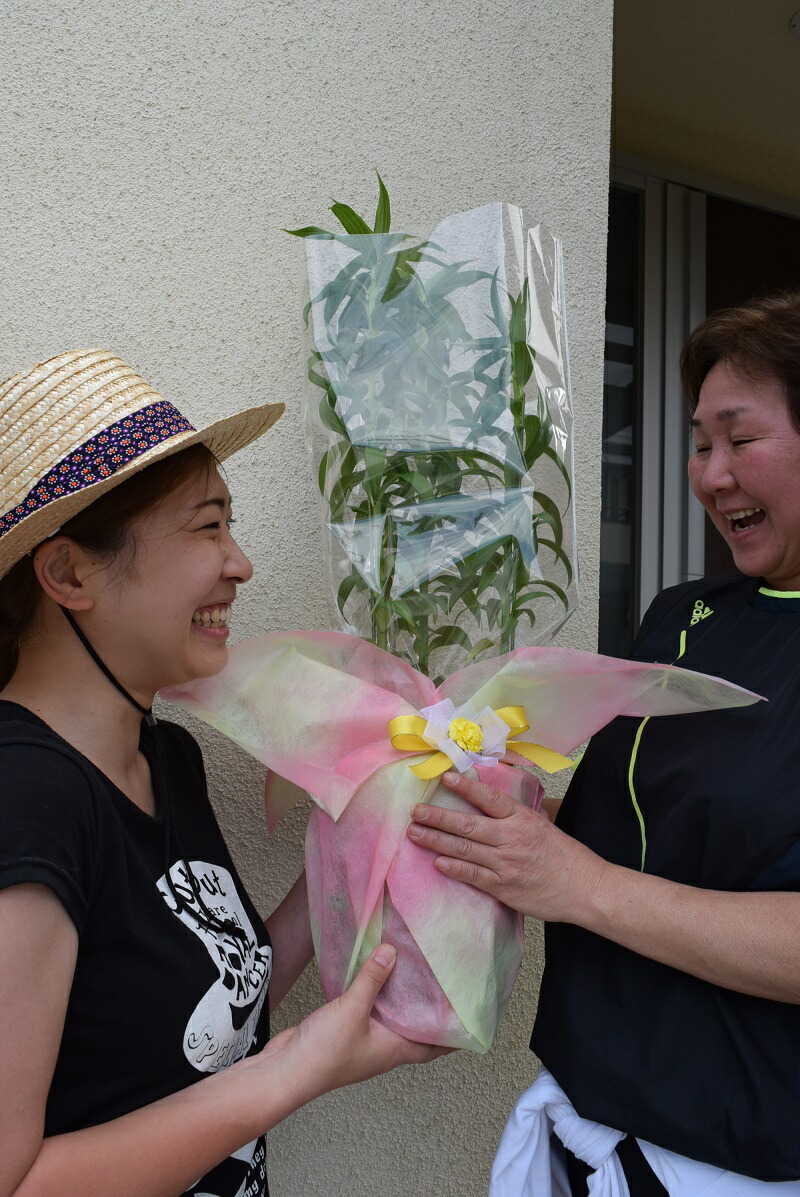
x=81, y=423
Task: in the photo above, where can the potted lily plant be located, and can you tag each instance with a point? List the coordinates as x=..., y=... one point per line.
x=441, y=425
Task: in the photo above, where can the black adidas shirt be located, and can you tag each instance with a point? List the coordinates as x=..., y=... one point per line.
x=157, y=1000
x=708, y=1073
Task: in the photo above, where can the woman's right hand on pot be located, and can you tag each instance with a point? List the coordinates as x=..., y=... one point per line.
x=515, y=854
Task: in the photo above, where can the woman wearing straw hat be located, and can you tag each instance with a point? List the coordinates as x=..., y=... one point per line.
x=132, y=962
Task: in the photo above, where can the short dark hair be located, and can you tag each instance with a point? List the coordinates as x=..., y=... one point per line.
x=102, y=528
x=760, y=340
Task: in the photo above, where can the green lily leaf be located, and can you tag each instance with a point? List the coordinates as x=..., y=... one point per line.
x=329, y=417
x=551, y=511
x=449, y=635
x=310, y=230
x=351, y=582
x=405, y=613
x=493, y=610
x=383, y=214
x=556, y=589
x=350, y=221
x=480, y=647
x=402, y=271
x=557, y=551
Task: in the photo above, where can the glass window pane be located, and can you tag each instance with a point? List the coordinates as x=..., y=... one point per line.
x=621, y=406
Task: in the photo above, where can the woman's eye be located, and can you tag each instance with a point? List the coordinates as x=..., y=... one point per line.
x=230, y=521
x=746, y=440
x=701, y=448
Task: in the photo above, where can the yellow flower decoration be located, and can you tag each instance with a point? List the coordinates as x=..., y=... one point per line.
x=465, y=733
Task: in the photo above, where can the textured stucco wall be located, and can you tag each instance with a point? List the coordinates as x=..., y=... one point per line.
x=152, y=154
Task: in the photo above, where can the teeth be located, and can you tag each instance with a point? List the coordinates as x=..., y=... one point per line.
x=212, y=617
x=740, y=515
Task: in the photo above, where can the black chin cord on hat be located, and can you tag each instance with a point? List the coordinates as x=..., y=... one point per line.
x=100, y=663
x=207, y=919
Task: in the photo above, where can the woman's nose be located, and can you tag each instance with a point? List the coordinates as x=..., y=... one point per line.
x=237, y=563
x=717, y=474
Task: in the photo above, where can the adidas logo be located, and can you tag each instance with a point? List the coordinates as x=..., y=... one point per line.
x=701, y=611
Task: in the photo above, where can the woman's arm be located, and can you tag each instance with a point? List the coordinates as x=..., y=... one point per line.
x=163, y=1148
x=749, y=942
x=38, y=949
x=290, y=934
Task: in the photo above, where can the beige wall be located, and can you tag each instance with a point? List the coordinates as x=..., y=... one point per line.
x=152, y=154
x=711, y=87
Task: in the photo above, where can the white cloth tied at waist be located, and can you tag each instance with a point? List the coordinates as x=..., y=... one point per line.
x=524, y=1167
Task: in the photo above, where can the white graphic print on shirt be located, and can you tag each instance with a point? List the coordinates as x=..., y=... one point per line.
x=246, y=1169
x=221, y=1027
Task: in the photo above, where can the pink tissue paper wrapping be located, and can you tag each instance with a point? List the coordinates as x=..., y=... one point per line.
x=315, y=706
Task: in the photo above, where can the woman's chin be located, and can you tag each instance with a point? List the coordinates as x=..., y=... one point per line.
x=777, y=574
x=207, y=665
x=752, y=554
x=214, y=665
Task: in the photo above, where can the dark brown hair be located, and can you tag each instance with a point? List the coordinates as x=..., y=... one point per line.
x=760, y=340
x=103, y=529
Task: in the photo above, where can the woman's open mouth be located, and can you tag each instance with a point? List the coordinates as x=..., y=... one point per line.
x=742, y=521
x=212, y=617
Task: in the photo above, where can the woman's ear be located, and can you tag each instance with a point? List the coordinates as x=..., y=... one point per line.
x=63, y=569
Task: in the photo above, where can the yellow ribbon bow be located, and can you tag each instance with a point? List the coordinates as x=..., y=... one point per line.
x=406, y=736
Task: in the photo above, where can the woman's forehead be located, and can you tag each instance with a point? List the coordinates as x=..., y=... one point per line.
x=206, y=486
x=216, y=489
x=204, y=489
x=729, y=392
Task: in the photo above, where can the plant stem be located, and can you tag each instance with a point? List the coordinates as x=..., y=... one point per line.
x=511, y=479
x=381, y=611
x=422, y=636
x=508, y=596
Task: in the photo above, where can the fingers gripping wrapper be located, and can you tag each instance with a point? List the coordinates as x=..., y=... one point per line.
x=323, y=709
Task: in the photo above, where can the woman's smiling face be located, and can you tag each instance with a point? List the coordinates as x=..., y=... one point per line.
x=168, y=615
x=745, y=470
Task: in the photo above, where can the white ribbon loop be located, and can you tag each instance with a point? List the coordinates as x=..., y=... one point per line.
x=491, y=733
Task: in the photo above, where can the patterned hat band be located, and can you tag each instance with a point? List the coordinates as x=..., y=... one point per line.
x=100, y=457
